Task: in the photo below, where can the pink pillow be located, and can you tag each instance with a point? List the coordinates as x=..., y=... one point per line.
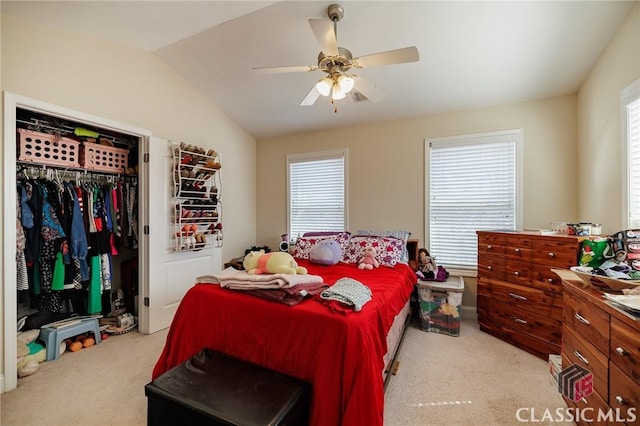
x=389, y=249
x=305, y=244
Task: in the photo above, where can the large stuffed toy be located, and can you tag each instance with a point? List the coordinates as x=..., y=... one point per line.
x=278, y=262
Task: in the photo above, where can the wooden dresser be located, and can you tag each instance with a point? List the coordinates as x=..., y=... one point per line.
x=606, y=342
x=519, y=297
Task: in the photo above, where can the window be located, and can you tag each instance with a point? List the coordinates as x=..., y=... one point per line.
x=631, y=138
x=317, y=192
x=473, y=183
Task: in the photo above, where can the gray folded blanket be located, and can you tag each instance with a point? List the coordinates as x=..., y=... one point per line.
x=348, y=291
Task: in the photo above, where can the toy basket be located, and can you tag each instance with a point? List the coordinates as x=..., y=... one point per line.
x=105, y=158
x=48, y=149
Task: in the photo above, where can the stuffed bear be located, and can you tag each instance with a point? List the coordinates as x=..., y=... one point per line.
x=369, y=260
x=279, y=262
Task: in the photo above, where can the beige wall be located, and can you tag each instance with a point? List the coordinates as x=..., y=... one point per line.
x=386, y=167
x=136, y=88
x=600, y=149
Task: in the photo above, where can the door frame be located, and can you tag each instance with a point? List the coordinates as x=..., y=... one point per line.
x=11, y=102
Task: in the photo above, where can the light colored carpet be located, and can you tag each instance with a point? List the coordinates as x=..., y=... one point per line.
x=474, y=379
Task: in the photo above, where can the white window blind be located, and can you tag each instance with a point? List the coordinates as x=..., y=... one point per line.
x=473, y=185
x=631, y=134
x=316, y=192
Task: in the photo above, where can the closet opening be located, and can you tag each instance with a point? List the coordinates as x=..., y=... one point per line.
x=78, y=233
x=65, y=156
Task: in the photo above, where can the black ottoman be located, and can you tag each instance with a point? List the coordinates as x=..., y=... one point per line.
x=215, y=389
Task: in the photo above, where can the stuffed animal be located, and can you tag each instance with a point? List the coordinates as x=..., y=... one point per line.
x=279, y=262
x=369, y=260
x=426, y=264
x=325, y=252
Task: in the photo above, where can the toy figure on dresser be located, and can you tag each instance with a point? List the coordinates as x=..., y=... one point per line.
x=426, y=265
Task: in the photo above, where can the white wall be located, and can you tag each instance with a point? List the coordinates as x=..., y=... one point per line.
x=600, y=148
x=133, y=87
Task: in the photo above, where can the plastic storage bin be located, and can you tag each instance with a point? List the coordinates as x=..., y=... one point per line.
x=440, y=305
x=44, y=148
x=105, y=158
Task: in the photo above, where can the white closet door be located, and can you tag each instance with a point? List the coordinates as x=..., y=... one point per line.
x=170, y=274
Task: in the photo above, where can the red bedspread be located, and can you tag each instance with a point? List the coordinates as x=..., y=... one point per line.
x=340, y=355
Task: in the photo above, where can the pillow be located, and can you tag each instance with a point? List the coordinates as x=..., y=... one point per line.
x=305, y=244
x=389, y=249
x=326, y=252
x=403, y=235
x=323, y=233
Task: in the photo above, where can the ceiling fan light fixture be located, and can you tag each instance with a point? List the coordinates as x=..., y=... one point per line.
x=337, y=93
x=324, y=86
x=346, y=83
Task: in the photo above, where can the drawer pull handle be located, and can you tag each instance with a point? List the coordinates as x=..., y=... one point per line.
x=551, y=254
x=490, y=267
x=517, y=250
x=489, y=247
x=550, y=280
x=620, y=400
x=620, y=351
x=582, y=319
x=519, y=320
x=516, y=273
x=580, y=357
x=517, y=296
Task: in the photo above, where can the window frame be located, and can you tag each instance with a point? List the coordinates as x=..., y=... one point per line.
x=318, y=156
x=628, y=95
x=476, y=138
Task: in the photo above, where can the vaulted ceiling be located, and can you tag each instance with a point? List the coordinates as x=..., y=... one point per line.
x=472, y=54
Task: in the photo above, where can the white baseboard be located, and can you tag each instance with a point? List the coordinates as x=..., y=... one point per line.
x=469, y=312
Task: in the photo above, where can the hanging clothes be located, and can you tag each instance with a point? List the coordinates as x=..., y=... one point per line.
x=67, y=234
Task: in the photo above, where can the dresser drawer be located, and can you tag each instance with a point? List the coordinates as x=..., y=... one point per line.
x=588, y=321
x=624, y=393
x=593, y=403
x=517, y=247
x=490, y=245
x=555, y=253
x=522, y=297
x=490, y=238
x=545, y=279
x=625, y=349
x=581, y=352
x=518, y=272
x=540, y=326
x=491, y=267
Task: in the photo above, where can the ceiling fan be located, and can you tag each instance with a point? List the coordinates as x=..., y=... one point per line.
x=337, y=61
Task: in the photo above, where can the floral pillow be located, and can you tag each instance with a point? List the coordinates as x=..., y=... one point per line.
x=388, y=249
x=403, y=235
x=304, y=244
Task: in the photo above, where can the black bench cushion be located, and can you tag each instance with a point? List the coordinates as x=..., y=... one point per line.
x=213, y=388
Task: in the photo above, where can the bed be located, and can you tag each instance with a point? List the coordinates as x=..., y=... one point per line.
x=345, y=356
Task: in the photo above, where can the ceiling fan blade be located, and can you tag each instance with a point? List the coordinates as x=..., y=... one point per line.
x=281, y=70
x=397, y=56
x=326, y=35
x=311, y=97
x=370, y=91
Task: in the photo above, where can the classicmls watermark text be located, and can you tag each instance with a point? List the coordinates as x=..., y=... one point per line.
x=576, y=383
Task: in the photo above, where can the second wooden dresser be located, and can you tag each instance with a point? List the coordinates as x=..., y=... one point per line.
x=519, y=297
